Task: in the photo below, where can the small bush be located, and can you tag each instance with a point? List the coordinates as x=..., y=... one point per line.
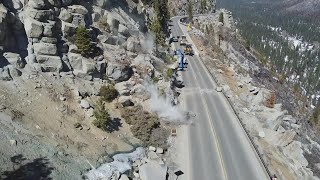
x=108, y=93
x=169, y=73
x=315, y=116
x=271, y=100
x=102, y=117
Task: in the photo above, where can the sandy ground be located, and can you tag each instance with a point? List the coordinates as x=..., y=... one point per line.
x=40, y=125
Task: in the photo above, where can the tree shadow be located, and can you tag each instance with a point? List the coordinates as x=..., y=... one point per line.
x=35, y=170
x=114, y=125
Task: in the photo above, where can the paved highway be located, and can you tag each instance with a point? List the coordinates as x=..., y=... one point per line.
x=218, y=146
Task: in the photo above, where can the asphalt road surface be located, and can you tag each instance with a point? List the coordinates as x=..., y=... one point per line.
x=218, y=146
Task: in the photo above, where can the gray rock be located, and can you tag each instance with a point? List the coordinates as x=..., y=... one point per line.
x=123, y=30
x=33, y=28
x=14, y=59
x=133, y=44
x=88, y=66
x=84, y=104
x=45, y=49
x=125, y=101
x=78, y=9
x=159, y=150
x=100, y=3
x=40, y=15
x=4, y=74
x=123, y=88
x=14, y=72
x=153, y=171
x=50, y=63
x=78, y=20
x=290, y=119
x=119, y=72
x=152, y=155
x=65, y=15
x=113, y=23
x=75, y=61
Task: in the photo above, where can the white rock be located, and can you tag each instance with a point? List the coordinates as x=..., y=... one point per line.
x=153, y=156
x=84, y=104
x=262, y=134
x=219, y=89
x=151, y=148
x=75, y=60
x=133, y=44
x=89, y=112
x=62, y=98
x=159, y=150
x=65, y=15
x=13, y=142
x=38, y=4
x=123, y=30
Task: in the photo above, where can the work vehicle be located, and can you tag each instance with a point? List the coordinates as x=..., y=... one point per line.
x=183, y=41
x=188, y=50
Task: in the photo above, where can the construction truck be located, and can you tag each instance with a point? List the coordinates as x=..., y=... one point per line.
x=188, y=50
x=183, y=41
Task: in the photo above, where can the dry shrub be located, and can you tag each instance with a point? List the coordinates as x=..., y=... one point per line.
x=271, y=100
x=108, y=93
x=145, y=126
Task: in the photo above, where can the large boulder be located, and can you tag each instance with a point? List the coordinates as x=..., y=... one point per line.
x=75, y=60
x=88, y=66
x=33, y=28
x=119, y=72
x=40, y=15
x=153, y=171
x=48, y=28
x=50, y=63
x=143, y=64
x=45, y=49
x=14, y=72
x=133, y=44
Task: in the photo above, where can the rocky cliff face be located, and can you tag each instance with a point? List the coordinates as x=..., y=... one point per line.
x=39, y=33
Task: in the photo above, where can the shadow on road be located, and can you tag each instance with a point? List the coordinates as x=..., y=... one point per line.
x=37, y=169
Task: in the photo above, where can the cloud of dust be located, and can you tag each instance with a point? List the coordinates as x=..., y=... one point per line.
x=163, y=107
x=147, y=42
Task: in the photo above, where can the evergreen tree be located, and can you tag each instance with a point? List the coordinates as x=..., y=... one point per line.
x=83, y=42
x=102, y=117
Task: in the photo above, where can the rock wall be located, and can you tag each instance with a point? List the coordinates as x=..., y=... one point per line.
x=40, y=35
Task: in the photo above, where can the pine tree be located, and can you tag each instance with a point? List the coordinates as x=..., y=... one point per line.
x=102, y=117
x=83, y=42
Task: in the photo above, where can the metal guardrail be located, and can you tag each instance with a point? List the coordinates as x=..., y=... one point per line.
x=240, y=120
